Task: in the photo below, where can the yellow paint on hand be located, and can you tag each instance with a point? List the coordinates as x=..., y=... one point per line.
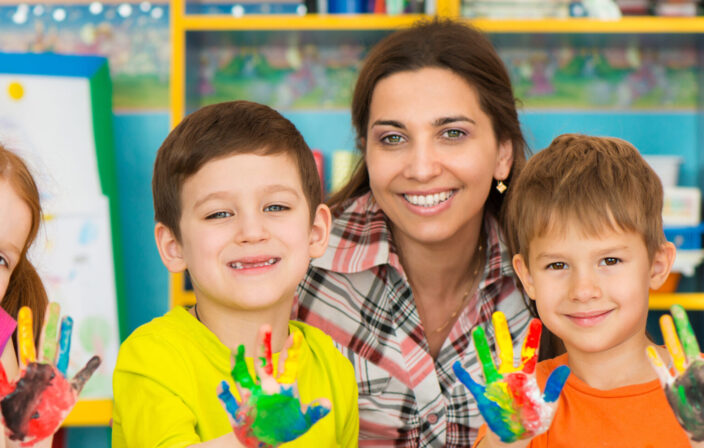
x=25, y=336
x=672, y=341
x=504, y=345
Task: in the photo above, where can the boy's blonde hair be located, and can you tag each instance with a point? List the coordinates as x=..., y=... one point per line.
x=598, y=182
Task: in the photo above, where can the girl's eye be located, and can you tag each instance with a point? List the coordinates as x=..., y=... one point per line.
x=557, y=266
x=219, y=215
x=3, y=262
x=610, y=261
x=275, y=208
x=393, y=139
x=453, y=133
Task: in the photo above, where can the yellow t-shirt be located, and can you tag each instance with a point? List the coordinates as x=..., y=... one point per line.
x=168, y=371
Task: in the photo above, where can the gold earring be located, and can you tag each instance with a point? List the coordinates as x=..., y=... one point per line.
x=501, y=186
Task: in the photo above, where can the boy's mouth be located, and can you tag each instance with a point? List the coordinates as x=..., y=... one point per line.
x=254, y=263
x=589, y=319
x=429, y=200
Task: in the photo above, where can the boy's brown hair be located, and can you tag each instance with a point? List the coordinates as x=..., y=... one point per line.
x=599, y=182
x=221, y=130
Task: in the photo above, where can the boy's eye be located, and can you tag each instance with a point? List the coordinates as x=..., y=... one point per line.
x=453, y=134
x=393, y=139
x=610, y=261
x=557, y=266
x=219, y=215
x=275, y=208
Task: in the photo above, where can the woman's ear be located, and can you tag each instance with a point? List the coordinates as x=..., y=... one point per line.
x=320, y=231
x=170, y=249
x=504, y=160
x=662, y=264
x=520, y=267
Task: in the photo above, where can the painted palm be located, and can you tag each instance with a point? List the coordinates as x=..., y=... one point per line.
x=269, y=412
x=34, y=406
x=510, y=401
x=684, y=388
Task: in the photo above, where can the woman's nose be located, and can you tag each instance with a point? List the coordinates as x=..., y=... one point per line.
x=423, y=163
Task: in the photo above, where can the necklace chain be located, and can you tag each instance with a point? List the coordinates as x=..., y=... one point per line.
x=465, y=296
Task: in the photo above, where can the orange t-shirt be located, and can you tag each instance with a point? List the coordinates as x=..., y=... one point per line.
x=631, y=416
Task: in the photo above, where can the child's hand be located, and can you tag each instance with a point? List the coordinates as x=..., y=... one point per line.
x=34, y=406
x=511, y=402
x=684, y=390
x=269, y=413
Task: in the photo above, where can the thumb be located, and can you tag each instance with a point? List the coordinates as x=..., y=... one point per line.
x=83, y=375
x=228, y=402
x=555, y=383
x=316, y=410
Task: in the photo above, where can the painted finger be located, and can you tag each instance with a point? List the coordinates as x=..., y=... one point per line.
x=529, y=352
x=484, y=355
x=5, y=386
x=555, y=383
x=47, y=342
x=240, y=372
x=504, y=344
x=685, y=332
x=672, y=341
x=7, y=328
x=264, y=351
x=317, y=410
x=64, y=344
x=228, y=401
x=291, y=360
x=25, y=336
x=79, y=379
x=476, y=389
x=660, y=368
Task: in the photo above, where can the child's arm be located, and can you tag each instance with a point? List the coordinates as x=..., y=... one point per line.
x=511, y=402
x=684, y=388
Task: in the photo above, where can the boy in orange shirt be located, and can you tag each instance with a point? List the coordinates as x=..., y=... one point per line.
x=585, y=222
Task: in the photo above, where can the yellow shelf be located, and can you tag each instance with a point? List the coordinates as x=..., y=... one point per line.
x=690, y=301
x=663, y=25
x=90, y=413
x=291, y=22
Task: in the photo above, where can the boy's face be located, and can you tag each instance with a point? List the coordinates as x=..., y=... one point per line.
x=592, y=292
x=246, y=235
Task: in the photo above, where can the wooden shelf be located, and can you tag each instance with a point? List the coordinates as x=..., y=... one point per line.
x=690, y=301
x=626, y=25
x=90, y=413
x=292, y=22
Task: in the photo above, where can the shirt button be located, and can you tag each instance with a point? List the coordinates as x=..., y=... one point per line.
x=433, y=418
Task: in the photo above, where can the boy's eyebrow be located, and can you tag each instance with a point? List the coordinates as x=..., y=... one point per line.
x=273, y=188
x=599, y=252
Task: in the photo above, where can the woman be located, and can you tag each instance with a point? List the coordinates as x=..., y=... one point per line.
x=415, y=259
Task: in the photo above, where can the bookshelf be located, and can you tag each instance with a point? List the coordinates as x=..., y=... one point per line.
x=181, y=24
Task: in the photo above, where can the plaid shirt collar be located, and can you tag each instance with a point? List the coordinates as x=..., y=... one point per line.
x=361, y=239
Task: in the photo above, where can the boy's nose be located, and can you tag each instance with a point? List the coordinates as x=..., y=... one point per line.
x=250, y=229
x=585, y=286
x=423, y=162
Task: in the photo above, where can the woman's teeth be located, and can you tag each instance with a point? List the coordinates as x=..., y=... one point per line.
x=429, y=200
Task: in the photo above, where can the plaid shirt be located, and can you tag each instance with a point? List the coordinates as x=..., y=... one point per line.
x=358, y=294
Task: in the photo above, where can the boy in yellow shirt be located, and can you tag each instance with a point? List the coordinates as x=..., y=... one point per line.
x=237, y=202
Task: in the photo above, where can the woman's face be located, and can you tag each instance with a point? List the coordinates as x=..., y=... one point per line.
x=431, y=154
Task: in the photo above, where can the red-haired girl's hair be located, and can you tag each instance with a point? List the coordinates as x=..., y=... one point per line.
x=25, y=287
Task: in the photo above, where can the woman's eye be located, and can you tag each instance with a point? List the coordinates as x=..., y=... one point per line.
x=557, y=266
x=219, y=215
x=610, y=261
x=453, y=133
x=275, y=208
x=3, y=262
x=393, y=139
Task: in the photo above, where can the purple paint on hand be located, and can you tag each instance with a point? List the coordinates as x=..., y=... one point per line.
x=7, y=327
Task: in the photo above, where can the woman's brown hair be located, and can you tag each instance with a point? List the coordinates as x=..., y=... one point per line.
x=25, y=287
x=447, y=44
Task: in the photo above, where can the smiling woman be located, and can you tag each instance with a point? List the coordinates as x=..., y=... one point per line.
x=416, y=257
